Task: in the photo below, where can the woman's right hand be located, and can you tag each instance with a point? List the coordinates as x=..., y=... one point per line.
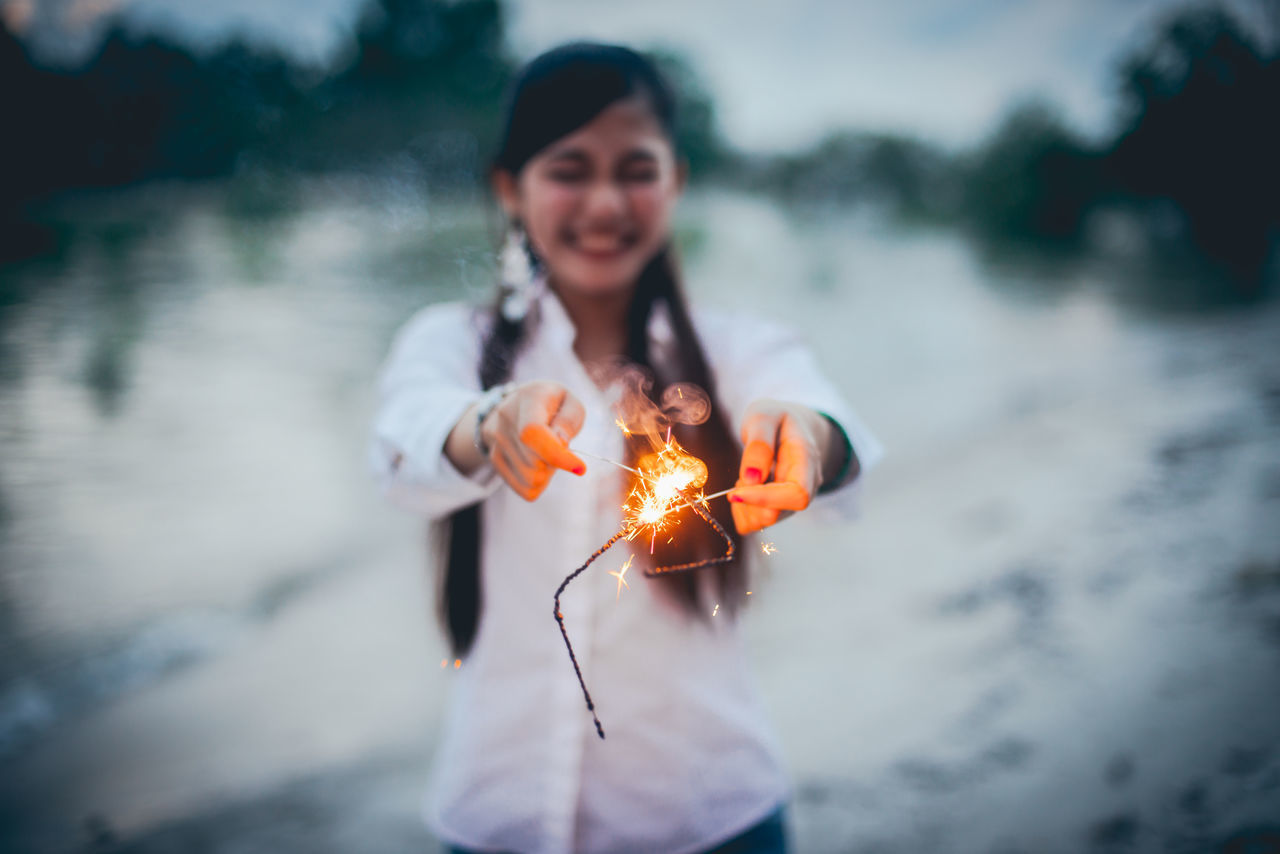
x=528, y=436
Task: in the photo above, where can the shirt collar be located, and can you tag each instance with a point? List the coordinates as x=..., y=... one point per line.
x=554, y=321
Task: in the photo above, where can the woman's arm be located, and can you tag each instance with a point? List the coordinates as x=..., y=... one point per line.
x=426, y=386
x=423, y=449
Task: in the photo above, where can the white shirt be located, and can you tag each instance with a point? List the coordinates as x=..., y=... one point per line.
x=689, y=760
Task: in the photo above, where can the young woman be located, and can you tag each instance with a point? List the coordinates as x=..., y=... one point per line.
x=480, y=413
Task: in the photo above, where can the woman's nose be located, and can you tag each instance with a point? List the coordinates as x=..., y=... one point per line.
x=605, y=200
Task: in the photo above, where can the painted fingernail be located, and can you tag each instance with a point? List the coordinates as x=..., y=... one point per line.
x=736, y=499
x=753, y=475
x=579, y=470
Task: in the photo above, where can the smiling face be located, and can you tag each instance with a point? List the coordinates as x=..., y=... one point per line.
x=597, y=203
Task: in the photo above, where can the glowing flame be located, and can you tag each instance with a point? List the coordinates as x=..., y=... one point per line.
x=666, y=480
x=622, y=425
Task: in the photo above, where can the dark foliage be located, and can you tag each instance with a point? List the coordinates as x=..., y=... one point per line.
x=1032, y=180
x=903, y=175
x=421, y=86
x=1202, y=130
x=143, y=107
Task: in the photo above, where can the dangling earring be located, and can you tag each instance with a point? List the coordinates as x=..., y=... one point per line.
x=518, y=276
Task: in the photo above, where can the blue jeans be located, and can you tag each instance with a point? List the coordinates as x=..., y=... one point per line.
x=767, y=837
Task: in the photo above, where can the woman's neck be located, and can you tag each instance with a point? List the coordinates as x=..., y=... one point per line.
x=600, y=323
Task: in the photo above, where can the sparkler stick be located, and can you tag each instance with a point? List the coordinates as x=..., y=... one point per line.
x=560, y=619
x=706, y=562
x=668, y=480
x=703, y=499
x=609, y=461
x=628, y=532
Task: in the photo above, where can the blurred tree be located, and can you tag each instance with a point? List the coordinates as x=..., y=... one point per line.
x=1202, y=130
x=903, y=176
x=423, y=80
x=1033, y=180
x=137, y=108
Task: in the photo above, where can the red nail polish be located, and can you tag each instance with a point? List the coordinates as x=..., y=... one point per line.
x=736, y=499
x=753, y=475
x=580, y=470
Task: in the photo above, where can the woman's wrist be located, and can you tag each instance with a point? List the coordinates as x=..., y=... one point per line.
x=465, y=446
x=488, y=402
x=839, y=462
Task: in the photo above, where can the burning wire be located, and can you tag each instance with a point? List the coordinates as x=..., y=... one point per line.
x=667, y=480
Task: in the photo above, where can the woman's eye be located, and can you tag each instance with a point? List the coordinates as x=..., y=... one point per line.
x=565, y=176
x=640, y=176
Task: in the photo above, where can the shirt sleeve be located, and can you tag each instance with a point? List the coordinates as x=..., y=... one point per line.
x=753, y=359
x=427, y=382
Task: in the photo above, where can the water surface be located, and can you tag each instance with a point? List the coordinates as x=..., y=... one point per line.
x=1055, y=627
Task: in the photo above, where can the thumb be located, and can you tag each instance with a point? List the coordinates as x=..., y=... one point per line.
x=759, y=439
x=568, y=419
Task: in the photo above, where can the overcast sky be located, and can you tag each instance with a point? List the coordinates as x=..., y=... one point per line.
x=784, y=73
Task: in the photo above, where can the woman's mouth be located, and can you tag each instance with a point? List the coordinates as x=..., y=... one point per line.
x=601, y=245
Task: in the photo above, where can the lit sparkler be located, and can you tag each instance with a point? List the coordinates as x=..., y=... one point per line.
x=667, y=482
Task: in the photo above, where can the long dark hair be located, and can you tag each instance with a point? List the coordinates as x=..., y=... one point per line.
x=557, y=93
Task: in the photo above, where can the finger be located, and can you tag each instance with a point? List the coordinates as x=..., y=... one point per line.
x=759, y=437
x=748, y=519
x=528, y=474
x=568, y=418
x=784, y=495
x=797, y=463
x=511, y=475
x=799, y=459
x=538, y=480
x=520, y=455
x=551, y=448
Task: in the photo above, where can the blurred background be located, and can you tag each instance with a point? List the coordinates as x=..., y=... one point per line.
x=1035, y=242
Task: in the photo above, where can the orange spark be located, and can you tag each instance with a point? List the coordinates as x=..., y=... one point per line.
x=768, y=548
x=457, y=662
x=620, y=575
x=665, y=477
x=620, y=423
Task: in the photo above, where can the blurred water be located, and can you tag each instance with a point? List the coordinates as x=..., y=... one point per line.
x=1066, y=583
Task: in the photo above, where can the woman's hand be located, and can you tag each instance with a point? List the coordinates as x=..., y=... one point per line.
x=527, y=435
x=796, y=444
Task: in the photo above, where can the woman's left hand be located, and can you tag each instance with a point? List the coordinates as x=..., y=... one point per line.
x=792, y=442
